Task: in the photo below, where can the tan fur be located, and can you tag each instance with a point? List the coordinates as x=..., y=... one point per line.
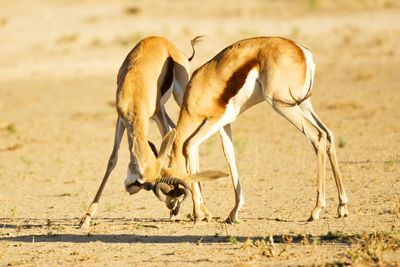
x=214, y=83
x=148, y=72
x=282, y=68
x=147, y=66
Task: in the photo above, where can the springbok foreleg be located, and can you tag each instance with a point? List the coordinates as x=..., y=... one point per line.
x=199, y=210
x=203, y=208
x=112, y=162
x=207, y=129
x=191, y=153
x=165, y=124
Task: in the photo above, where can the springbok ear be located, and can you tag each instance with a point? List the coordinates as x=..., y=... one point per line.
x=153, y=148
x=166, y=146
x=205, y=176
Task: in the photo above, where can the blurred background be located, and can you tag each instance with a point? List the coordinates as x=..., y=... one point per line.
x=58, y=66
x=69, y=38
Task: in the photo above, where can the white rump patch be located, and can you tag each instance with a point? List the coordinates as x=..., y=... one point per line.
x=310, y=69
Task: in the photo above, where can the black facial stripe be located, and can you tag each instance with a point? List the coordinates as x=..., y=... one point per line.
x=136, y=183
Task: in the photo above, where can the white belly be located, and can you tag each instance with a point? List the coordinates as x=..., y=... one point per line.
x=249, y=95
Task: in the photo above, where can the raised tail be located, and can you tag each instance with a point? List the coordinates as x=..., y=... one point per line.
x=193, y=43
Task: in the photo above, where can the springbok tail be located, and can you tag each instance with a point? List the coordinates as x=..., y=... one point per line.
x=193, y=43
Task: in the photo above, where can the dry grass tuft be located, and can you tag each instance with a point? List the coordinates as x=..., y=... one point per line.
x=342, y=143
x=9, y=127
x=11, y=147
x=371, y=249
x=391, y=164
x=248, y=244
x=68, y=38
x=133, y=10
x=96, y=43
x=232, y=239
x=346, y=106
x=362, y=77
x=3, y=22
x=265, y=248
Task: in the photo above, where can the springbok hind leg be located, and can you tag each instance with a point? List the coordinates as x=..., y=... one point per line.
x=164, y=122
x=119, y=132
x=308, y=110
x=342, y=208
x=295, y=115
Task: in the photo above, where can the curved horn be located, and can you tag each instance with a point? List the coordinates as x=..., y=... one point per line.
x=165, y=188
x=172, y=181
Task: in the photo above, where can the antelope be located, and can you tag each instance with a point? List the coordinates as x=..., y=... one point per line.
x=272, y=69
x=152, y=71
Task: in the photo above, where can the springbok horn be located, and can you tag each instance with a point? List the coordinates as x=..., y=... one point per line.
x=169, y=181
x=165, y=188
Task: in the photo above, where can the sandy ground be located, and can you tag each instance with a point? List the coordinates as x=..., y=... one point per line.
x=59, y=61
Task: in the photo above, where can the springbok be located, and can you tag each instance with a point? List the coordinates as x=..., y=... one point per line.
x=272, y=69
x=151, y=71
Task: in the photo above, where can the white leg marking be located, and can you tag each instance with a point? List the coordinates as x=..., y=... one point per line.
x=296, y=116
x=309, y=112
x=227, y=145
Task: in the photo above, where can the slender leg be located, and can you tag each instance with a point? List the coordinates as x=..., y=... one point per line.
x=133, y=166
x=191, y=152
x=165, y=124
x=197, y=199
x=227, y=145
x=199, y=209
x=308, y=110
x=162, y=121
x=203, y=208
x=342, y=208
x=296, y=116
x=170, y=121
x=112, y=162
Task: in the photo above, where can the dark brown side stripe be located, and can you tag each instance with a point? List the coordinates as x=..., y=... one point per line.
x=237, y=80
x=169, y=76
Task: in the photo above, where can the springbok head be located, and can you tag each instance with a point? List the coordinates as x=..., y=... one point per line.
x=169, y=187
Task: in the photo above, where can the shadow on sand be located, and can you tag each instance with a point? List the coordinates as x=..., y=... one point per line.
x=165, y=239
x=85, y=237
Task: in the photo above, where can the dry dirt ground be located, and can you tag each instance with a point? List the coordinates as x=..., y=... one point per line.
x=59, y=61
